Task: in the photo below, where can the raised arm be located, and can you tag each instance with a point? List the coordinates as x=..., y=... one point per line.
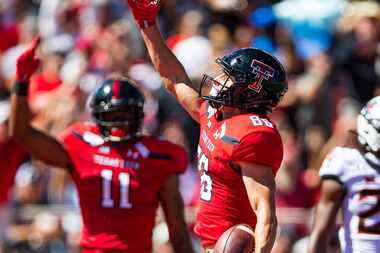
x=260, y=185
x=332, y=194
x=37, y=143
x=166, y=63
x=172, y=206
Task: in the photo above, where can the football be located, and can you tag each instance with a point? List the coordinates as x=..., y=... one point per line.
x=236, y=239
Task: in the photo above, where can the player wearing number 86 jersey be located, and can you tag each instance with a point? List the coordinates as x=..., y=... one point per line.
x=120, y=174
x=240, y=148
x=223, y=198
x=351, y=182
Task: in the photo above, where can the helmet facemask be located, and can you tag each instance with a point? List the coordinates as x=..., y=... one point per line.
x=214, y=88
x=120, y=124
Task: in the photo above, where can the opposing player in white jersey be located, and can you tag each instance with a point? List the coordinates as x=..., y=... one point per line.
x=351, y=181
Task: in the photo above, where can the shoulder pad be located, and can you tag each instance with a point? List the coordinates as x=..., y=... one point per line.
x=92, y=139
x=240, y=126
x=88, y=132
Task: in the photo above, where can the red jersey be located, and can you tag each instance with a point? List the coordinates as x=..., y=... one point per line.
x=12, y=155
x=223, y=198
x=119, y=186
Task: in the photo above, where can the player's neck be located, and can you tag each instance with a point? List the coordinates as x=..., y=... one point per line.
x=229, y=112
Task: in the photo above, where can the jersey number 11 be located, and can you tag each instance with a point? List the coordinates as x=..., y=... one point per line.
x=124, y=180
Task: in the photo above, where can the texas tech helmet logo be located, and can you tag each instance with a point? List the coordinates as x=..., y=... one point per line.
x=262, y=71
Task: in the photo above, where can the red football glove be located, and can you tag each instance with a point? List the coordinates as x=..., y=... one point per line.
x=27, y=63
x=144, y=11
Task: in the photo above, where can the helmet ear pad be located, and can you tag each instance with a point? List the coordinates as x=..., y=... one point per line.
x=240, y=96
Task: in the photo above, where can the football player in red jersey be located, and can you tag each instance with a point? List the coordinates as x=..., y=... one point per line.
x=121, y=175
x=240, y=149
x=12, y=155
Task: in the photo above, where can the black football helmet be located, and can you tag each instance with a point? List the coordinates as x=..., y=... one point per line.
x=252, y=80
x=117, y=107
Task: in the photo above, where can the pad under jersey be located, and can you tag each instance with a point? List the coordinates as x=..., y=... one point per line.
x=361, y=204
x=119, y=186
x=223, y=198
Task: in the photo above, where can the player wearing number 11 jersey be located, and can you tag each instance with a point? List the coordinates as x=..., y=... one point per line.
x=121, y=175
x=351, y=182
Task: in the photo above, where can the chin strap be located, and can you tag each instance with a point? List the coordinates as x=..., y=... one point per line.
x=120, y=139
x=218, y=114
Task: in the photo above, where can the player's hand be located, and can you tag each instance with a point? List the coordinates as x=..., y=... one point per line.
x=144, y=11
x=27, y=63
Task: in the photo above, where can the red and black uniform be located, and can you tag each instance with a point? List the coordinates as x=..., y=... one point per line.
x=119, y=186
x=223, y=199
x=12, y=155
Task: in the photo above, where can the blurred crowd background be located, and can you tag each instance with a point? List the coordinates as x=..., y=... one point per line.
x=331, y=50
